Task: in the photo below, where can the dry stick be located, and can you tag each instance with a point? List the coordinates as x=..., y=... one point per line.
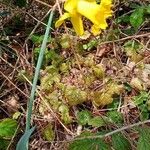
x=127, y=38
x=113, y=132
x=36, y=19
x=14, y=84
x=39, y=22
x=43, y=3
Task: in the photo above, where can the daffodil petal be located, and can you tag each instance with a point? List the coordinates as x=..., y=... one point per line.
x=106, y=2
x=61, y=19
x=95, y=30
x=96, y=13
x=70, y=6
x=89, y=9
x=77, y=23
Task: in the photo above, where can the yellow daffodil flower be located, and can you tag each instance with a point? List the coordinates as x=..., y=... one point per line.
x=96, y=13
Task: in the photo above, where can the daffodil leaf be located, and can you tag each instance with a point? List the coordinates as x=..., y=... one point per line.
x=23, y=142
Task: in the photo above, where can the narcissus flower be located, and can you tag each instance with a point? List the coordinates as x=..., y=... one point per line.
x=96, y=13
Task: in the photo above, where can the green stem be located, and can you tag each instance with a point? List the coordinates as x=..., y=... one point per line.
x=37, y=71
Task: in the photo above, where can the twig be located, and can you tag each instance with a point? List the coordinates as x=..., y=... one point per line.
x=39, y=22
x=14, y=84
x=127, y=38
x=43, y=3
x=113, y=132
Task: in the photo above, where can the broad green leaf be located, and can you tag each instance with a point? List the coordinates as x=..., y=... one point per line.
x=141, y=98
x=23, y=142
x=144, y=115
x=98, y=121
x=48, y=133
x=114, y=104
x=8, y=128
x=89, y=144
x=144, y=139
x=123, y=18
x=83, y=117
x=3, y=144
x=115, y=116
x=137, y=18
x=119, y=142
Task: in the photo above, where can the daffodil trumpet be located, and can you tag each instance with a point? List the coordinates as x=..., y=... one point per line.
x=96, y=12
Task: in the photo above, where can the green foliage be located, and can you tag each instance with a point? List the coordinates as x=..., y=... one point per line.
x=133, y=50
x=3, y=144
x=137, y=18
x=8, y=128
x=105, y=96
x=64, y=110
x=50, y=77
x=141, y=101
x=115, y=117
x=119, y=142
x=89, y=144
x=36, y=39
x=48, y=133
x=144, y=139
x=98, y=121
x=98, y=71
x=50, y=56
x=65, y=41
x=90, y=45
x=127, y=87
x=141, y=98
x=83, y=117
x=74, y=95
